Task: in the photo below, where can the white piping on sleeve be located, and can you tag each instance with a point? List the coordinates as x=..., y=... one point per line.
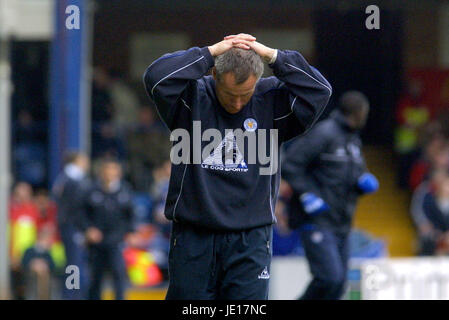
x=152, y=89
x=328, y=88
x=180, y=191
x=291, y=107
x=185, y=104
x=273, y=214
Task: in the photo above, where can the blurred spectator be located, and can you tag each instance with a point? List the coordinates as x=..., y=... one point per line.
x=69, y=191
x=38, y=266
x=27, y=130
x=107, y=143
x=29, y=151
x=48, y=221
x=47, y=212
x=104, y=136
x=426, y=232
x=411, y=116
x=124, y=100
x=102, y=108
x=107, y=221
x=149, y=147
x=436, y=209
x=159, y=193
x=159, y=243
x=434, y=155
x=285, y=240
x=23, y=225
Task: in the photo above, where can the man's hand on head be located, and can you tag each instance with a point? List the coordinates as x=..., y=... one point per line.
x=242, y=39
x=223, y=46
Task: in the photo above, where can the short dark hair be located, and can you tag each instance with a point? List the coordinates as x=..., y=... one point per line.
x=72, y=155
x=110, y=160
x=352, y=102
x=105, y=161
x=242, y=63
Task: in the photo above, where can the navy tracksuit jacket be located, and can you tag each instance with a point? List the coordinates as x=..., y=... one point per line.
x=327, y=162
x=69, y=194
x=111, y=212
x=216, y=200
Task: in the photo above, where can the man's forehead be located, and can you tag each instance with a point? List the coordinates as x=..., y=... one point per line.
x=228, y=83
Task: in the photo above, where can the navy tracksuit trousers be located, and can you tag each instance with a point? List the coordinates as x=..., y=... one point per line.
x=76, y=254
x=104, y=258
x=327, y=254
x=210, y=265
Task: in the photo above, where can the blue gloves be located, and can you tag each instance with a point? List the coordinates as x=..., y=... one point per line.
x=312, y=204
x=367, y=183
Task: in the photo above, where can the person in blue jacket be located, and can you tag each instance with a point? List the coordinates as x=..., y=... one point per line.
x=327, y=173
x=223, y=211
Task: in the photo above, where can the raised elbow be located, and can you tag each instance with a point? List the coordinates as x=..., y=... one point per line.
x=149, y=80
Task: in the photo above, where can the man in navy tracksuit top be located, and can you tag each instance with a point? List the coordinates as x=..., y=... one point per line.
x=221, y=237
x=327, y=173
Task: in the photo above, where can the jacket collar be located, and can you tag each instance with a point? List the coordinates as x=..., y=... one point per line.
x=342, y=122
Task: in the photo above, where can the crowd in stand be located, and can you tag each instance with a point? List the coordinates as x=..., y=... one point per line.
x=428, y=179
x=123, y=130
x=34, y=240
x=422, y=147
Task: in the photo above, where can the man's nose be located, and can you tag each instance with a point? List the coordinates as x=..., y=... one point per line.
x=238, y=103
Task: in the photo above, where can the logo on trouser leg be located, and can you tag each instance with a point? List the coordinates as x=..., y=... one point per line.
x=264, y=274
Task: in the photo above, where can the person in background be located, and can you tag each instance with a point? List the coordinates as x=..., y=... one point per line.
x=427, y=234
x=39, y=266
x=124, y=100
x=48, y=220
x=327, y=173
x=108, y=143
x=29, y=153
x=105, y=136
x=107, y=222
x=148, y=131
x=47, y=212
x=24, y=217
x=69, y=191
x=102, y=107
x=412, y=114
x=434, y=155
x=285, y=240
x=436, y=208
x=159, y=244
x=159, y=194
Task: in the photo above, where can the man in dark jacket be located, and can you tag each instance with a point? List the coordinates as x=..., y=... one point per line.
x=435, y=206
x=223, y=210
x=327, y=173
x=69, y=191
x=107, y=224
